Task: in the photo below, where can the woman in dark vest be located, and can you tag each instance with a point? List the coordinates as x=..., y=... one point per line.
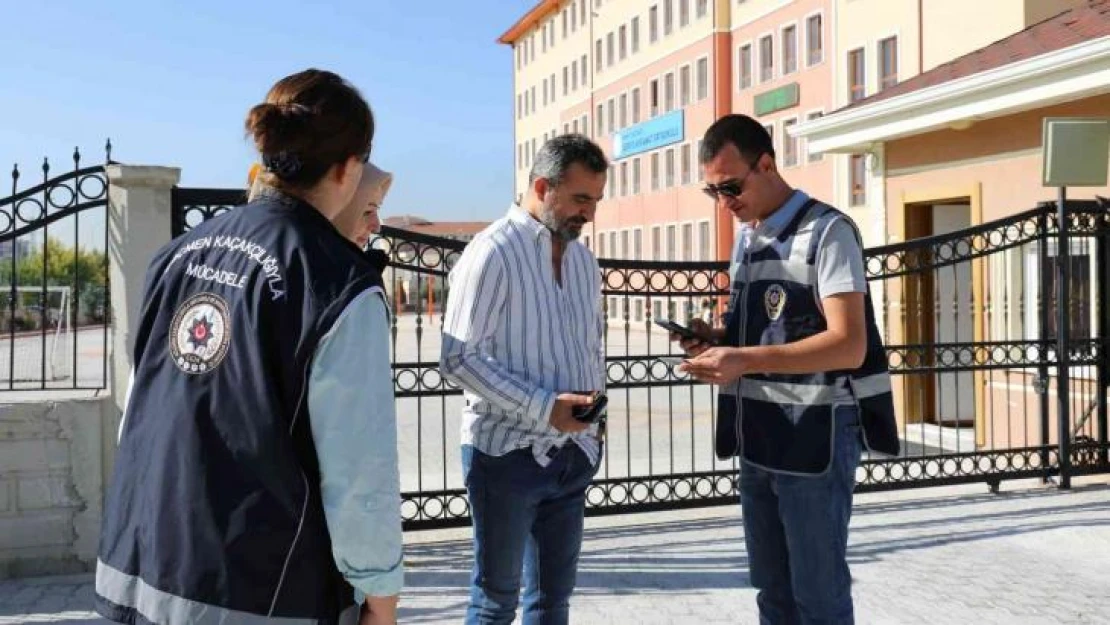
x=256, y=479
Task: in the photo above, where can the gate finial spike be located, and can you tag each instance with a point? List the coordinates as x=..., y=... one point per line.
x=76, y=157
x=108, y=150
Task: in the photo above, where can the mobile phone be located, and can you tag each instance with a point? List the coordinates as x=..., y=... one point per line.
x=681, y=330
x=591, y=413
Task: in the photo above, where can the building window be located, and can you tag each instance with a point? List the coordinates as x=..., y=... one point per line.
x=654, y=93
x=684, y=86
x=583, y=70
x=653, y=24
x=624, y=110
x=670, y=168
x=600, y=117
x=1079, y=298
x=519, y=105
x=655, y=171
x=611, y=183
x=703, y=79
x=814, y=157
x=635, y=35
x=574, y=126
x=668, y=92
x=624, y=179
x=553, y=88
x=687, y=165
x=566, y=128
x=744, y=63
x=520, y=156
x=789, y=144
x=770, y=128
x=687, y=242
x=601, y=244
x=683, y=13
x=582, y=12
x=573, y=17
x=888, y=62
x=766, y=58
x=636, y=176
x=574, y=76
x=857, y=88
x=697, y=155
x=703, y=8
x=611, y=108
x=857, y=180
x=789, y=50
x=656, y=243
x=585, y=124
x=671, y=231
x=545, y=92
x=566, y=80
x=668, y=17
x=703, y=240
x=623, y=43
x=610, y=46
x=815, y=48
x=543, y=39
x=636, y=105
x=638, y=244
x=598, y=57
x=532, y=107
x=624, y=247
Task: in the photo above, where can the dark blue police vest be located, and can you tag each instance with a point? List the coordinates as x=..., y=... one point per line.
x=785, y=422
x=214, y=512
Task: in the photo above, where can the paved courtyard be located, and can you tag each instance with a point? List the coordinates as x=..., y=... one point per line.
x=1030, y=555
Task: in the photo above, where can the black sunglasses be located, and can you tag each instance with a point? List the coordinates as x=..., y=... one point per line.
x=731, y=188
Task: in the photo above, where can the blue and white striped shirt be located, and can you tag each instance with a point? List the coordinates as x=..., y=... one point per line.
x=514, y=339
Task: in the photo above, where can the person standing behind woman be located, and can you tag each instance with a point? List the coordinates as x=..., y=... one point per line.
x=243, y=490
x=360, y=219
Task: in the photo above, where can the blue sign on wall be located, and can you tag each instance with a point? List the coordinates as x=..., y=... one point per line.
x=654, y=133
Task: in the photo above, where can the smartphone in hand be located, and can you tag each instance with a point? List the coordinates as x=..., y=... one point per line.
x=682, y=331
x=591, y=413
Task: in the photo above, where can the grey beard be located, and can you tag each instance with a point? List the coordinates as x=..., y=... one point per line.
x=561, y=229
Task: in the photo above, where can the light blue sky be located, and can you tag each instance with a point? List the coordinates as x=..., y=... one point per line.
x=171, y=81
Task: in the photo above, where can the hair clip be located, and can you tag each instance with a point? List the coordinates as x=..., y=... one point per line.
x=283, y=164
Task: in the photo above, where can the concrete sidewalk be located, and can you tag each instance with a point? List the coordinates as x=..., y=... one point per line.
x=949, y=555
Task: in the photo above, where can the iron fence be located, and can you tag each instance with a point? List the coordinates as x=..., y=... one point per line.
x=54, y=291
x=968, y=319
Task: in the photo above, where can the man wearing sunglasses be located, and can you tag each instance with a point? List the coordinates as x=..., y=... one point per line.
x=802, y=375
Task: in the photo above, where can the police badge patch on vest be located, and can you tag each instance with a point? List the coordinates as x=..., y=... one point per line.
x=774, y=301
x=200, y=333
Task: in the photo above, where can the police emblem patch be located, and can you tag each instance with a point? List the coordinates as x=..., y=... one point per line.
x=774, y=301
x=200, y=333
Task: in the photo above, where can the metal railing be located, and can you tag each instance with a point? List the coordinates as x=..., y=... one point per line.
x=54, y=291
x=966, y=317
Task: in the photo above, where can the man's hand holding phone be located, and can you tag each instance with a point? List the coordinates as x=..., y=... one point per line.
x=562, y=415
x=694, y=339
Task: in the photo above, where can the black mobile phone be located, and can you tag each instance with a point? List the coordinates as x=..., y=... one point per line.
x=681, y=330
x=591, y=413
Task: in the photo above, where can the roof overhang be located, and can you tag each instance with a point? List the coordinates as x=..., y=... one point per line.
x=530, y=19
x=1072, y=73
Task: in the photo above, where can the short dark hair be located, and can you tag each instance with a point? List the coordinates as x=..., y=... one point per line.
x=748, y=135
x=310, y=121
x=557, y=155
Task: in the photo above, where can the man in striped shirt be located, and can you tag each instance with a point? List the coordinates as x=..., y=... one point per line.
x=523, y=338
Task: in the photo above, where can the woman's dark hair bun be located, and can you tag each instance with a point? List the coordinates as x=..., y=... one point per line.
x=310, y=121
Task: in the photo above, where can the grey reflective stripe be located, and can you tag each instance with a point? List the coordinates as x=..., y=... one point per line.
x=782, y=271
x=786, y=393
x=161, y=607
x=870, y=386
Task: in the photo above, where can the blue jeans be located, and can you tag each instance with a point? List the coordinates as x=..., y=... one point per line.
x=796, y=532
x=526, y=517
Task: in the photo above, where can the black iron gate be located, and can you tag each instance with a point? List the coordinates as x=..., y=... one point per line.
x=969, y=319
